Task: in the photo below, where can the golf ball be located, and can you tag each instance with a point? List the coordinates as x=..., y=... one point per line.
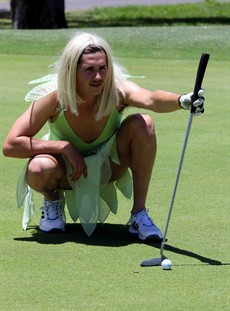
x=166, y=264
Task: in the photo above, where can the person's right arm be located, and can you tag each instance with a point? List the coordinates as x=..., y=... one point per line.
x=20, y=141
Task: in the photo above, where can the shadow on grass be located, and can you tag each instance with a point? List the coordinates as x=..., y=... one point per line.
x=184, y=252
x=111, y=235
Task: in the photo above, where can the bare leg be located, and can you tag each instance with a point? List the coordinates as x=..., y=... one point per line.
x=46, y=173
x=136, y=143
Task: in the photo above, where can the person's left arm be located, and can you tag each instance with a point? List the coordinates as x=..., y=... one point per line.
x=159, y=101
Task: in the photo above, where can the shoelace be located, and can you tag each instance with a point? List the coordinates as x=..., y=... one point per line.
x=146, y=219
x=51, y=209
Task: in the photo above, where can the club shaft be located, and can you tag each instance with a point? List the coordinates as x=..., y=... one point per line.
x=199, y=78
x=177, y=181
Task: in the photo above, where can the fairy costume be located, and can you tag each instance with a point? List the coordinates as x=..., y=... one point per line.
x=93, y=198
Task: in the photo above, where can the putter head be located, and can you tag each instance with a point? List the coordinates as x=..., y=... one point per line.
x=152, y=262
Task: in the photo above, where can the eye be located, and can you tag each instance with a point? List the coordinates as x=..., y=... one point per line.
x=89, y=69
x=103, y=68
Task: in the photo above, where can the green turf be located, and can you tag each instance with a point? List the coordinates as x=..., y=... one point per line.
x=73, y=272
x=139, y=42
x=203, y=13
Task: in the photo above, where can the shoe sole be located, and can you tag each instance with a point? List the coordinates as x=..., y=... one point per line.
x=54, y=230
x=153, y=237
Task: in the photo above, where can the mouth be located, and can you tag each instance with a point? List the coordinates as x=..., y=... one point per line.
x=96, y=84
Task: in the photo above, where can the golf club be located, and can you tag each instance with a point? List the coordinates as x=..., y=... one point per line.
x=199, y=78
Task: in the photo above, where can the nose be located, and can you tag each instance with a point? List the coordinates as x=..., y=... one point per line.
x=97, y=76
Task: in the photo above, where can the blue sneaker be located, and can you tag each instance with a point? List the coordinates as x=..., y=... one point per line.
x=52, y=218
x=143, y=227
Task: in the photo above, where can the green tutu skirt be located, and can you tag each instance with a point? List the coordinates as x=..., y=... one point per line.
x=91, y=199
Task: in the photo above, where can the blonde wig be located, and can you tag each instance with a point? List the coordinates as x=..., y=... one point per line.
x=67, y=73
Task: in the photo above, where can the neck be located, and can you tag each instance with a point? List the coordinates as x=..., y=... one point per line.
x=90, y=101
x=88, y=107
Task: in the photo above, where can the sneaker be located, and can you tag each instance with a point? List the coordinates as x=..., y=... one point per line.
x=143, y=227
x=52, y=217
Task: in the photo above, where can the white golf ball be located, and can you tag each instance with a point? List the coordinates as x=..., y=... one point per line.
x=166, y=264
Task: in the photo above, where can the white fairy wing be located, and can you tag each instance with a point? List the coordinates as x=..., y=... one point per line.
x=135, y=77
x=50, y=77
x=49, y=84
x=41, y=91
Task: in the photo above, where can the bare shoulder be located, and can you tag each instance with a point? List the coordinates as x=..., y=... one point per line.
x=48, y=104
x=136, y=95
x=129, y=86
x=33, y=119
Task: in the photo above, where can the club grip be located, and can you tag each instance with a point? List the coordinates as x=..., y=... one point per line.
x=199, y=77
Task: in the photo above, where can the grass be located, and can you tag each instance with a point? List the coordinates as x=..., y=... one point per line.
x=182, y=43
x=205, y=12
x=202, y=13
x=73, y=272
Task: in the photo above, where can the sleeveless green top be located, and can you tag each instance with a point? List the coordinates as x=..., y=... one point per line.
x=61, y=130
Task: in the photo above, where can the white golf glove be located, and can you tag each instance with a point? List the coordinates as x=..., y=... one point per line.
x=185, y=102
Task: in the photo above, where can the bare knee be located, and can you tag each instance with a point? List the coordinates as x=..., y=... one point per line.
x=149, y=126
x=141, y=125
x=42, y=171
x=136, y=136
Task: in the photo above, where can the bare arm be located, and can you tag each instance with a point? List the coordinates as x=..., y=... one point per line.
x=20, y=143
x=158, y=101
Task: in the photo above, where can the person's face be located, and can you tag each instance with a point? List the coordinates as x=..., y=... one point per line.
x=91, y=74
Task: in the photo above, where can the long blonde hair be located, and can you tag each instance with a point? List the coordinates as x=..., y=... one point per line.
x=67, y=72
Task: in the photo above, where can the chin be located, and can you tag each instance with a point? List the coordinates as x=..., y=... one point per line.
x=98, y=90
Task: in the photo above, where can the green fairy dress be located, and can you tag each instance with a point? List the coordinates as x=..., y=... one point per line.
x=91, y=199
